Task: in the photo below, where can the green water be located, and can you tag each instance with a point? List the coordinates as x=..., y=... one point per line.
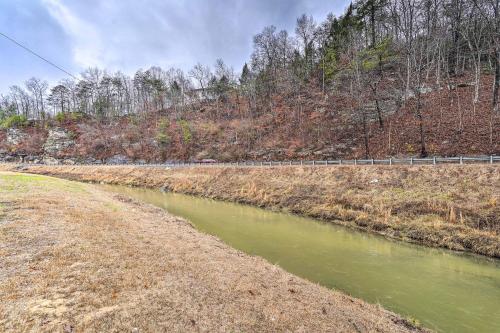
x=445, y=291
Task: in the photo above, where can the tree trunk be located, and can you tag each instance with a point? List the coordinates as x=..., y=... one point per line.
x=377, y=105
x=372, y=23
x=365, y=131
x=496, y=84
x=423, y=150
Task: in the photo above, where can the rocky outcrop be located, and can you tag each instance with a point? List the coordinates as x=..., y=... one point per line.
x=50, y=161
x=118, y=159
x=57, y=140
x=9, y=158
x=15, y=136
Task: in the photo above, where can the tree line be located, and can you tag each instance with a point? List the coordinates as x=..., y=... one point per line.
x=421, y=42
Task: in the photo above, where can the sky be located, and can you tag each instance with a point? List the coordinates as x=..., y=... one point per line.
x=126, y=35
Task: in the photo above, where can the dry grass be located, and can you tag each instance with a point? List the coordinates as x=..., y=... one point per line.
x=455, y=207
x=75, y=259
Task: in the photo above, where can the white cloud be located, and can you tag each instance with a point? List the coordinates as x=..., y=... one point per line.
x=128, y=34
x=85, y=40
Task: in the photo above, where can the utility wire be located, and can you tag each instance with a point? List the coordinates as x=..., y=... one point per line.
x=37, y=55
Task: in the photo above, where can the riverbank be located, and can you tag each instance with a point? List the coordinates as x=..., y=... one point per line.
x=454, y=207
x=76, y=258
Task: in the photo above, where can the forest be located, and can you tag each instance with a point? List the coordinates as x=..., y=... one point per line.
x=385, y=78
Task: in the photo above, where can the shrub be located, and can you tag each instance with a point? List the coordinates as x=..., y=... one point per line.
x=71, y=116
x=186, y=131
x=163, y=138
x=164, y=124
x=14, y=121
x=60, y=117
x=75, y=116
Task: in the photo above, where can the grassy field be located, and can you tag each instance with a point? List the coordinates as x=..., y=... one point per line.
x=74, y=258
x=455, y=207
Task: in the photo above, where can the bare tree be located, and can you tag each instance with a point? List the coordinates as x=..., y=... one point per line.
x=306, y=33
x=38, y=90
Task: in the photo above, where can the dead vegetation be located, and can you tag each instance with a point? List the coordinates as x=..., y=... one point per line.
x=455, y=207
x=76, y=259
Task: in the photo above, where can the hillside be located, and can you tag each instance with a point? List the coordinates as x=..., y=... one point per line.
x=328, y=126
x=385, y=78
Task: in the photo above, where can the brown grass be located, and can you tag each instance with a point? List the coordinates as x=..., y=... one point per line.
x=76, y=259
x=454, y=207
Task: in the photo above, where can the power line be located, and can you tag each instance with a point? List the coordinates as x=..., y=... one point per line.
x=37, y=55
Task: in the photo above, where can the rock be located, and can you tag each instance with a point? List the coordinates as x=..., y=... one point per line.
x=268, y=154
x=304, y=153
x=136, y=146
x=50, y=161
x=118, y=159
x=91, y=160
x=15, y=136
x=202, y=154
x=32, y=159
x=425, y=90
x=9, y=158
x=57, y=140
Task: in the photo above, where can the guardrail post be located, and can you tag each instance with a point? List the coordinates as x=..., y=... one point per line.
x=434, y=160
x=340, y=162
x=461, y=160
x=373, y=161
x=491, y=159
x=355, y=161
x=411, y=160
x=390, y=161
x=301, y=162
x=314, y=162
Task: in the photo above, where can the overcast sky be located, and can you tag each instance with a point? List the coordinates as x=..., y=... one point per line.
x=130, y=34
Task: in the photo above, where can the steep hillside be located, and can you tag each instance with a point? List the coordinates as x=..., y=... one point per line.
x=314, y=125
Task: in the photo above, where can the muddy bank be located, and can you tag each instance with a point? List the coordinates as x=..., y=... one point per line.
x=75, y=258
x=455, y=207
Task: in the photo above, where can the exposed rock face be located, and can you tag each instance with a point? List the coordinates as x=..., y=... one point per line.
x=8, y=158
x=118, y=159
x=90, y=160
x=268, y=153
x=58, y=140
x=50, y=161
x=31, y=159
x=15, y=136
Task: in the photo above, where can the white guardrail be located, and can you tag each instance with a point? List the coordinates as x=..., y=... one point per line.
x=391, y=161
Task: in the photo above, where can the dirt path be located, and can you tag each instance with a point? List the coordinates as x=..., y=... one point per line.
x=74, y=258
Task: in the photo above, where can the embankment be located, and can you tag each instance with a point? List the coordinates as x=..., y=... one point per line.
x=454, y=207
x=74, y=258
